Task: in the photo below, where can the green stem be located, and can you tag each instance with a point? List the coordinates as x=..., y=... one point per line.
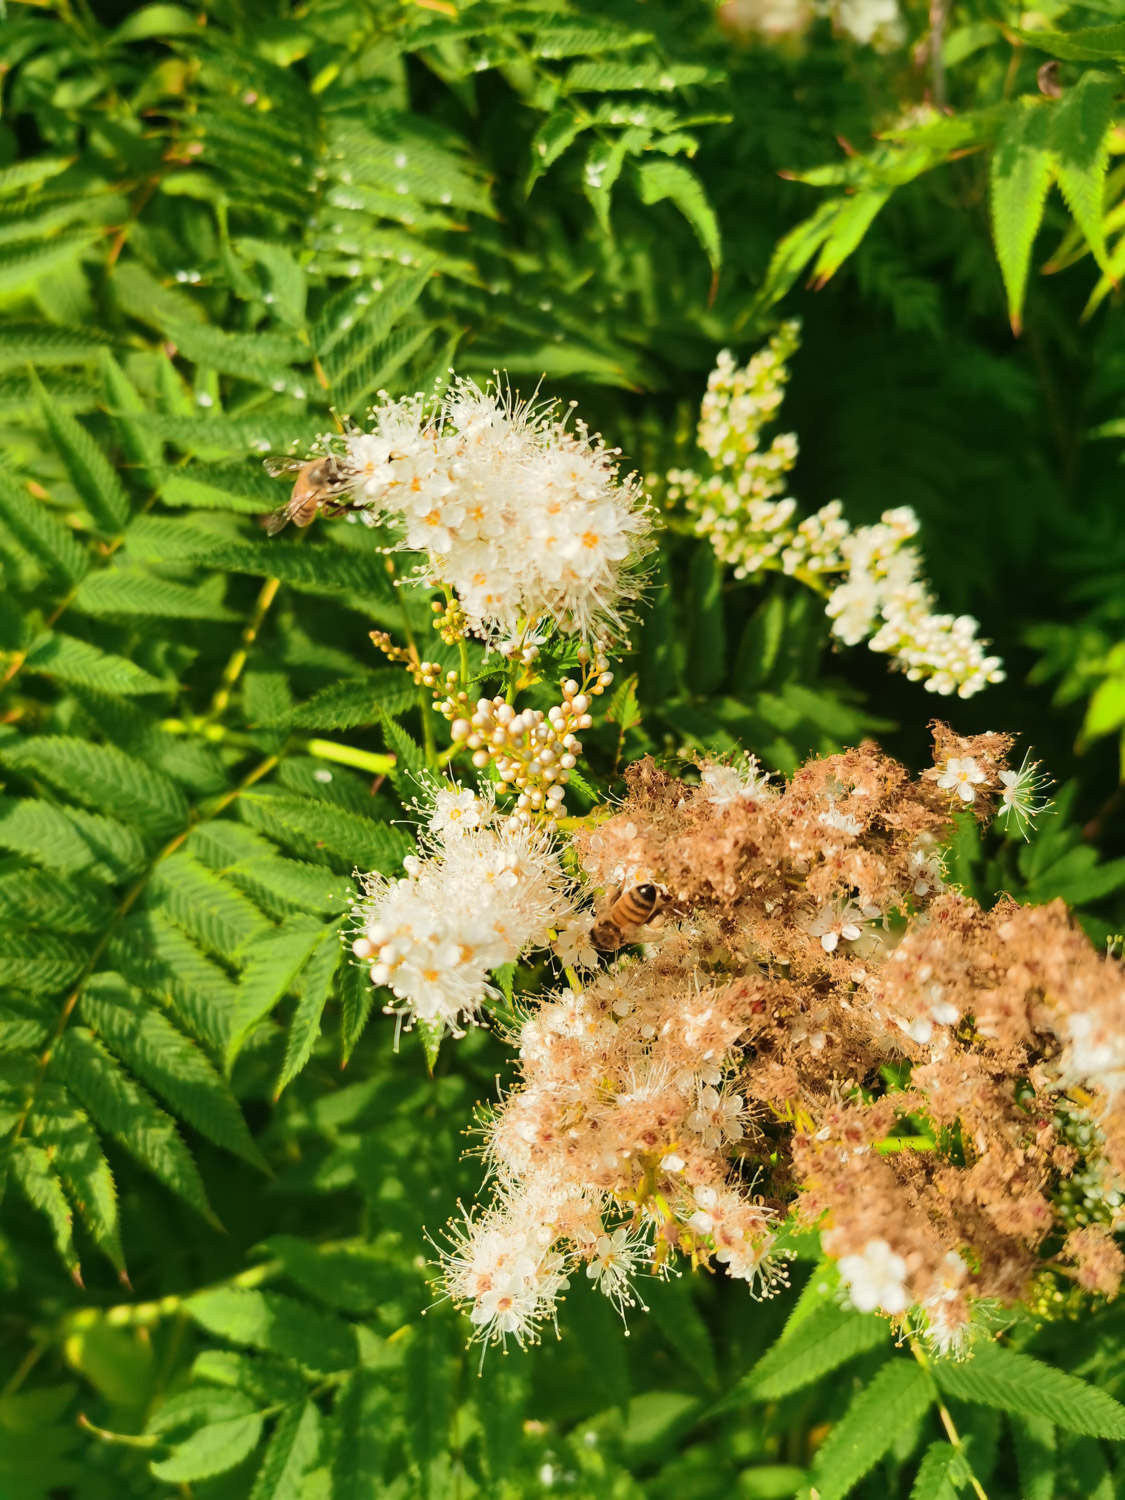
x=956, y=1442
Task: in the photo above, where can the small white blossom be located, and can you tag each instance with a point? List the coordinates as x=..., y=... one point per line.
x=1021, y=801
x=962, y=775
x=836, y=924
x=875, y=1279
x=615, y=1261
x=735, y=783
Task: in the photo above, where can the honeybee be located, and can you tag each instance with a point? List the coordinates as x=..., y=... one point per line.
x=628, y=908
x=319, y=484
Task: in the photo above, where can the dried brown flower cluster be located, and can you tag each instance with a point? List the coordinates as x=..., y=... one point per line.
x=824, y=1030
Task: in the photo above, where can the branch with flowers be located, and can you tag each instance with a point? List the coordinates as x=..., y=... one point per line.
x=819, y=1032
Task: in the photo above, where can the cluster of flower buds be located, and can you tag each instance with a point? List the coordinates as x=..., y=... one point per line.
x=871, y=576
x=531, y=752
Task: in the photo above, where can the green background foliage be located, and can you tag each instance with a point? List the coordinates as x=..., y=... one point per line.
x=221, y=225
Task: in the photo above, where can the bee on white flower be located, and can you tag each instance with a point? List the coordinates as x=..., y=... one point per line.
x=516, y=508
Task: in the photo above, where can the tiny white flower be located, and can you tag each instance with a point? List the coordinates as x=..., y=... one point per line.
x=1022, y=801
x=875, y=1279
x=962, y=775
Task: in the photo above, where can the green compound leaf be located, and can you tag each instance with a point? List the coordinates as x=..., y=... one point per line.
x=91, y=473
x=316, y=1340
x=1020, y=174
x=65, y=658
x=126, y=1112
x=169, y=1062
x=895, y=1399
x=34, y=1173
x=672, y=180
x=65, y=1131
x=942, y=1475
x=273, y=962
x=290, y=1453
x=1000, y=1377
x=1080, y=139
x=103, y=776
x=217, y=1445
x=315, y=989
x=827, y=1338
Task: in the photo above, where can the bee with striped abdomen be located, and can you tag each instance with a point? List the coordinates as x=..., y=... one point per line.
x=629, y=907
x=318, y=484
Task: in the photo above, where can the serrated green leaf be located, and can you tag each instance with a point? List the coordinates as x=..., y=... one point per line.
x=290, y=1453
x=124, y=592
x=90, y=471
x=353, y=1278
x=68, y=659
x=315, y=988
x=154, y=954
x=34, y=1174
x=69, y=840
x=212, y=1449
x=825, y=1339
x=558, y=132
x=56, y=1123
x=360, y=1426
x=310, y=827
x=314, y=1339
x=126, y=1112
x=350, y=705
x=38, y=961
x=209, y=909
x=854, y=217
x=102, y=776
x=172, y=1065
x=1018, y=1383
x=941, y=1475
x=897, y=1397
x=357, y=999
x=1087, y=44
x=30, y=261
x=126, y=406
x=287, y=289
x=1019, y=176
x=267, y=1381
x=39, y=529
x=273, y=962
x=292, y=883
x=662, y=179
x=1080, y=139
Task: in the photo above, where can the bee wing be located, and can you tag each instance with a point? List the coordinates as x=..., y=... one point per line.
x=277, y=464
x=278, y=519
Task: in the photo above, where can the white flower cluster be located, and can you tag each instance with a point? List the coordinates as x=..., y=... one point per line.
x=519, y=511
x=876, y=23
x=485, y=888
x=872, y=575
x=728, y=785
x=885, y=601
x=736, y=505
